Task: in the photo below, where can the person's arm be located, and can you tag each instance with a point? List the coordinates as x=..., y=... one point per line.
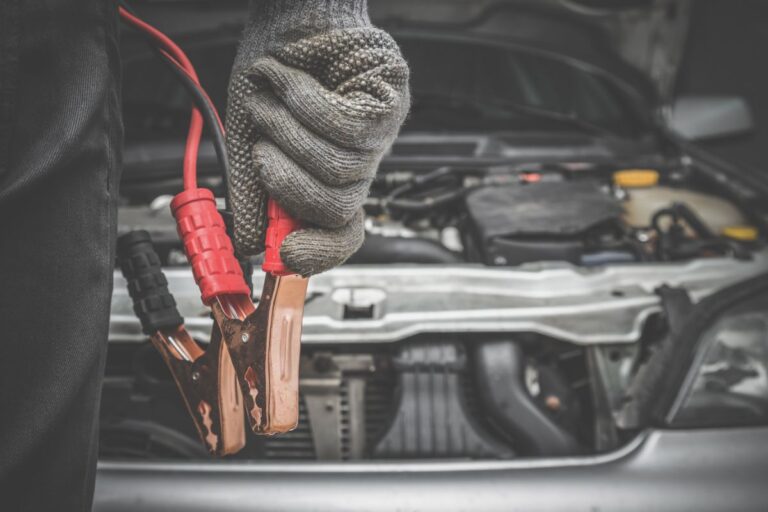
x=317, y=95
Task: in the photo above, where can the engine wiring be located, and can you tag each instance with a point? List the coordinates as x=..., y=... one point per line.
x=395, y=202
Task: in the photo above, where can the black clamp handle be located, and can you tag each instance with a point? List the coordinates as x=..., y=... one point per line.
x=152, y=302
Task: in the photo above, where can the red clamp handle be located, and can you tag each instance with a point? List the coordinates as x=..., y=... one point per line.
x=279, y=226
x=208, y=248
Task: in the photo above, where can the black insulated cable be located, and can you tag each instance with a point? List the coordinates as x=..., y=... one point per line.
x=203, y=103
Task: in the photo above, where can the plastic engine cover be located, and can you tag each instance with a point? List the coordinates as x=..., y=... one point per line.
x=432, y=420
x=538, y=222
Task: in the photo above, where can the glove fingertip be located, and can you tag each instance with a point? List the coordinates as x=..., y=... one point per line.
x=312, y=251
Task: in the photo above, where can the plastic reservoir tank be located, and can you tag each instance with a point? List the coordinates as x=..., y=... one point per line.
x=646, y=197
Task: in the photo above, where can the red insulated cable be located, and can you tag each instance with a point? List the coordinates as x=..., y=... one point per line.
x=280, y=223
x=196, y=122
x=171, y=47
x=192, y=149
x=172, y=51
x=200, y=89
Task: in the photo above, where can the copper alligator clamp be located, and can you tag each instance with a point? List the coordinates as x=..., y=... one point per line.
x=251, y=364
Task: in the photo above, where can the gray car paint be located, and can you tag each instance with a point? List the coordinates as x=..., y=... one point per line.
x=694, y=470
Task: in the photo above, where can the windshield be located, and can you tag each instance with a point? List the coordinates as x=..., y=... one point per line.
x=450, y=77
x=457, y=86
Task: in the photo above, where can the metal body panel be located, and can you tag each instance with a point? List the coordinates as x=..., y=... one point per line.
x=583, y=306
x=701, y=470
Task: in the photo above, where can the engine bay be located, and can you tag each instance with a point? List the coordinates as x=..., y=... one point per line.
x=529, y=254
x=583, y=213
x=494, y=312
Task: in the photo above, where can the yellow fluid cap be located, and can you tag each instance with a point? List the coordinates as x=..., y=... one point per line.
x=636, y=178
x=741, y=233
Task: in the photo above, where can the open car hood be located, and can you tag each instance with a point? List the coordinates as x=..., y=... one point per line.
x=632, y=40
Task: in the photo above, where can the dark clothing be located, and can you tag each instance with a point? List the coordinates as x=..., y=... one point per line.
x=60, y=145
x=60, y=153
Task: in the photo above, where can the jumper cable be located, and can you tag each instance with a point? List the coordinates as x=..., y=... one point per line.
x=251, y=364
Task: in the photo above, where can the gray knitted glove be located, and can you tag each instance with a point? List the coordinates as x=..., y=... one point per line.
x=316, y=97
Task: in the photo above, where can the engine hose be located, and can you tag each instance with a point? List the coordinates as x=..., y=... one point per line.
x=500, y=373
x=425, y=204
x=395, y=202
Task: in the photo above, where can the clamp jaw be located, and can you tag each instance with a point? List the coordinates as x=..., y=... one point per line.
x=250, y=367
x=265, y=353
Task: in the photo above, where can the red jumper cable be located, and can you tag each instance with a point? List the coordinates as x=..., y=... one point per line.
x=251, y=364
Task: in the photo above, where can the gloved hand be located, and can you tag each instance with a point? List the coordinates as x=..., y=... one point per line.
x=316, y=96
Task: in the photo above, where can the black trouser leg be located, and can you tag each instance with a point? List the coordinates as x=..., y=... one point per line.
x=60, y=139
